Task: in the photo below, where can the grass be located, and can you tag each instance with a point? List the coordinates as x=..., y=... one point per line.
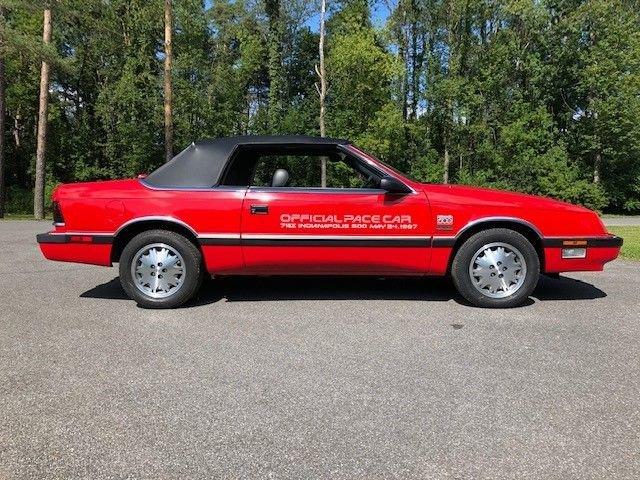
x=631, y=246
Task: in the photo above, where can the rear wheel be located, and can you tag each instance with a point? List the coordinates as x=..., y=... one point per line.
x=496, y=268
x=160, y=269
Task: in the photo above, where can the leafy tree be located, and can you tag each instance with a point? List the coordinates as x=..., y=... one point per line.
x=599, y=89
x=539, y=97
x=361, y=73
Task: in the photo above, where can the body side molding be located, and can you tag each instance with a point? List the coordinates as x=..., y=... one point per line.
x=450, y=240
x=154, y=218
x=478, y=221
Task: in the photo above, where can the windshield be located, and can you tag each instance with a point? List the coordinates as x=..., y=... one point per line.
x=394, y=170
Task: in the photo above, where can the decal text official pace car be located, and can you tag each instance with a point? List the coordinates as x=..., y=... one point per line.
x=346, y=222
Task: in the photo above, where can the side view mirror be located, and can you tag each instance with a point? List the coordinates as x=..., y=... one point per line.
x=393, y=185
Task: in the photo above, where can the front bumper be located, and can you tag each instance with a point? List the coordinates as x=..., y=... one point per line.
x=599, y=251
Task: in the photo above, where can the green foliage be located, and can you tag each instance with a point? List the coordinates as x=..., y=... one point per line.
x=631, y=236
x=20, y=200
x=360, y=74
x=539, y=97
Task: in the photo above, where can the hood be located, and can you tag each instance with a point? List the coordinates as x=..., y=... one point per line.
x=491, y=197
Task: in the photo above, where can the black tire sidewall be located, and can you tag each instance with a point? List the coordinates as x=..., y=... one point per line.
x=190, y=254
x=462, y=259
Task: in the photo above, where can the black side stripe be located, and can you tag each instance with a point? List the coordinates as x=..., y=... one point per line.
x=48, y=238
x=219, y=241
x=104, y=239
x=612, y=241
x=443, y=242
x=331, y=242
x=64, y=238
x=591, y=242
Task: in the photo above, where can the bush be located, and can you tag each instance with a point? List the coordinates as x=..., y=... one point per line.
x=19, y=200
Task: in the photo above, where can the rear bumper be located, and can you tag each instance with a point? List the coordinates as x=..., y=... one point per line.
x=74, y=238
x=94, y=249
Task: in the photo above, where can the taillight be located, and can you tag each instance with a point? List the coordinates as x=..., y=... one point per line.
x=58, y=219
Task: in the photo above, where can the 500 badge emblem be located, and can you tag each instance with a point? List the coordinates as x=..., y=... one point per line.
x=310, y=221
x=444, y=222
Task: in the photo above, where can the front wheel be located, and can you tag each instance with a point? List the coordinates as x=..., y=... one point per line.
x=160, y=269
x=496, y=268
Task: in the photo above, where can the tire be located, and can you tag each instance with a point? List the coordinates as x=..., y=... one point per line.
x=511, y=261
x=181, y=276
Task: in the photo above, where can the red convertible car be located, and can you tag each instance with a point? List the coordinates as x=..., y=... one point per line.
x=255, y=206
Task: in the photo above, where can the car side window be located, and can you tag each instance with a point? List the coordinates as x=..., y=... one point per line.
x=304, y=171
x=297, y=166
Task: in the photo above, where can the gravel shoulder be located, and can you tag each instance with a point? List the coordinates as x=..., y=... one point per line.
x=622, y=221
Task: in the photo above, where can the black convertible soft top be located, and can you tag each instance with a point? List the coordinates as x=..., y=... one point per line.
x=202, y=163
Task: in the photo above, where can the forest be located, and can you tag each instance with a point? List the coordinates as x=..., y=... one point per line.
x=538, y=96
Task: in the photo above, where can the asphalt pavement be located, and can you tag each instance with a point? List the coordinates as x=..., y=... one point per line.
x=313, y=378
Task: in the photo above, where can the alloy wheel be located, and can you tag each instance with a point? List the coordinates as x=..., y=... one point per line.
x=497, y=270
x=158, y=270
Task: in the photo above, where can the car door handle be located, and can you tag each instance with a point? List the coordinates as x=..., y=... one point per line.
x=259, y=209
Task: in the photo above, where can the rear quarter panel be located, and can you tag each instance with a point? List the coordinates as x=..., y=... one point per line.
x=108, y=207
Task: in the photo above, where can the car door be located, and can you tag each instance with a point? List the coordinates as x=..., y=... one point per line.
x=306, y=229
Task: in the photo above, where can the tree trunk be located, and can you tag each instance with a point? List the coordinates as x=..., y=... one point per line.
x=2, y=119
x=448, y=117
x=445, y=175
x=405, y=80
x=276, y=76
x=416, y=62
x=322, y=91
x=16, y=128
x=404, y=56
x=597, y=162
x=38, y=194
x=593, y=113
x=168, y=106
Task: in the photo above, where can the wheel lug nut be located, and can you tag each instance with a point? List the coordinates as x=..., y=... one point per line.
x=159, y=276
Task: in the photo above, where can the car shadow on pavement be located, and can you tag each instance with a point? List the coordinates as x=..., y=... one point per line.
x=112, y=290
x=565, y=288
x=256, y=289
